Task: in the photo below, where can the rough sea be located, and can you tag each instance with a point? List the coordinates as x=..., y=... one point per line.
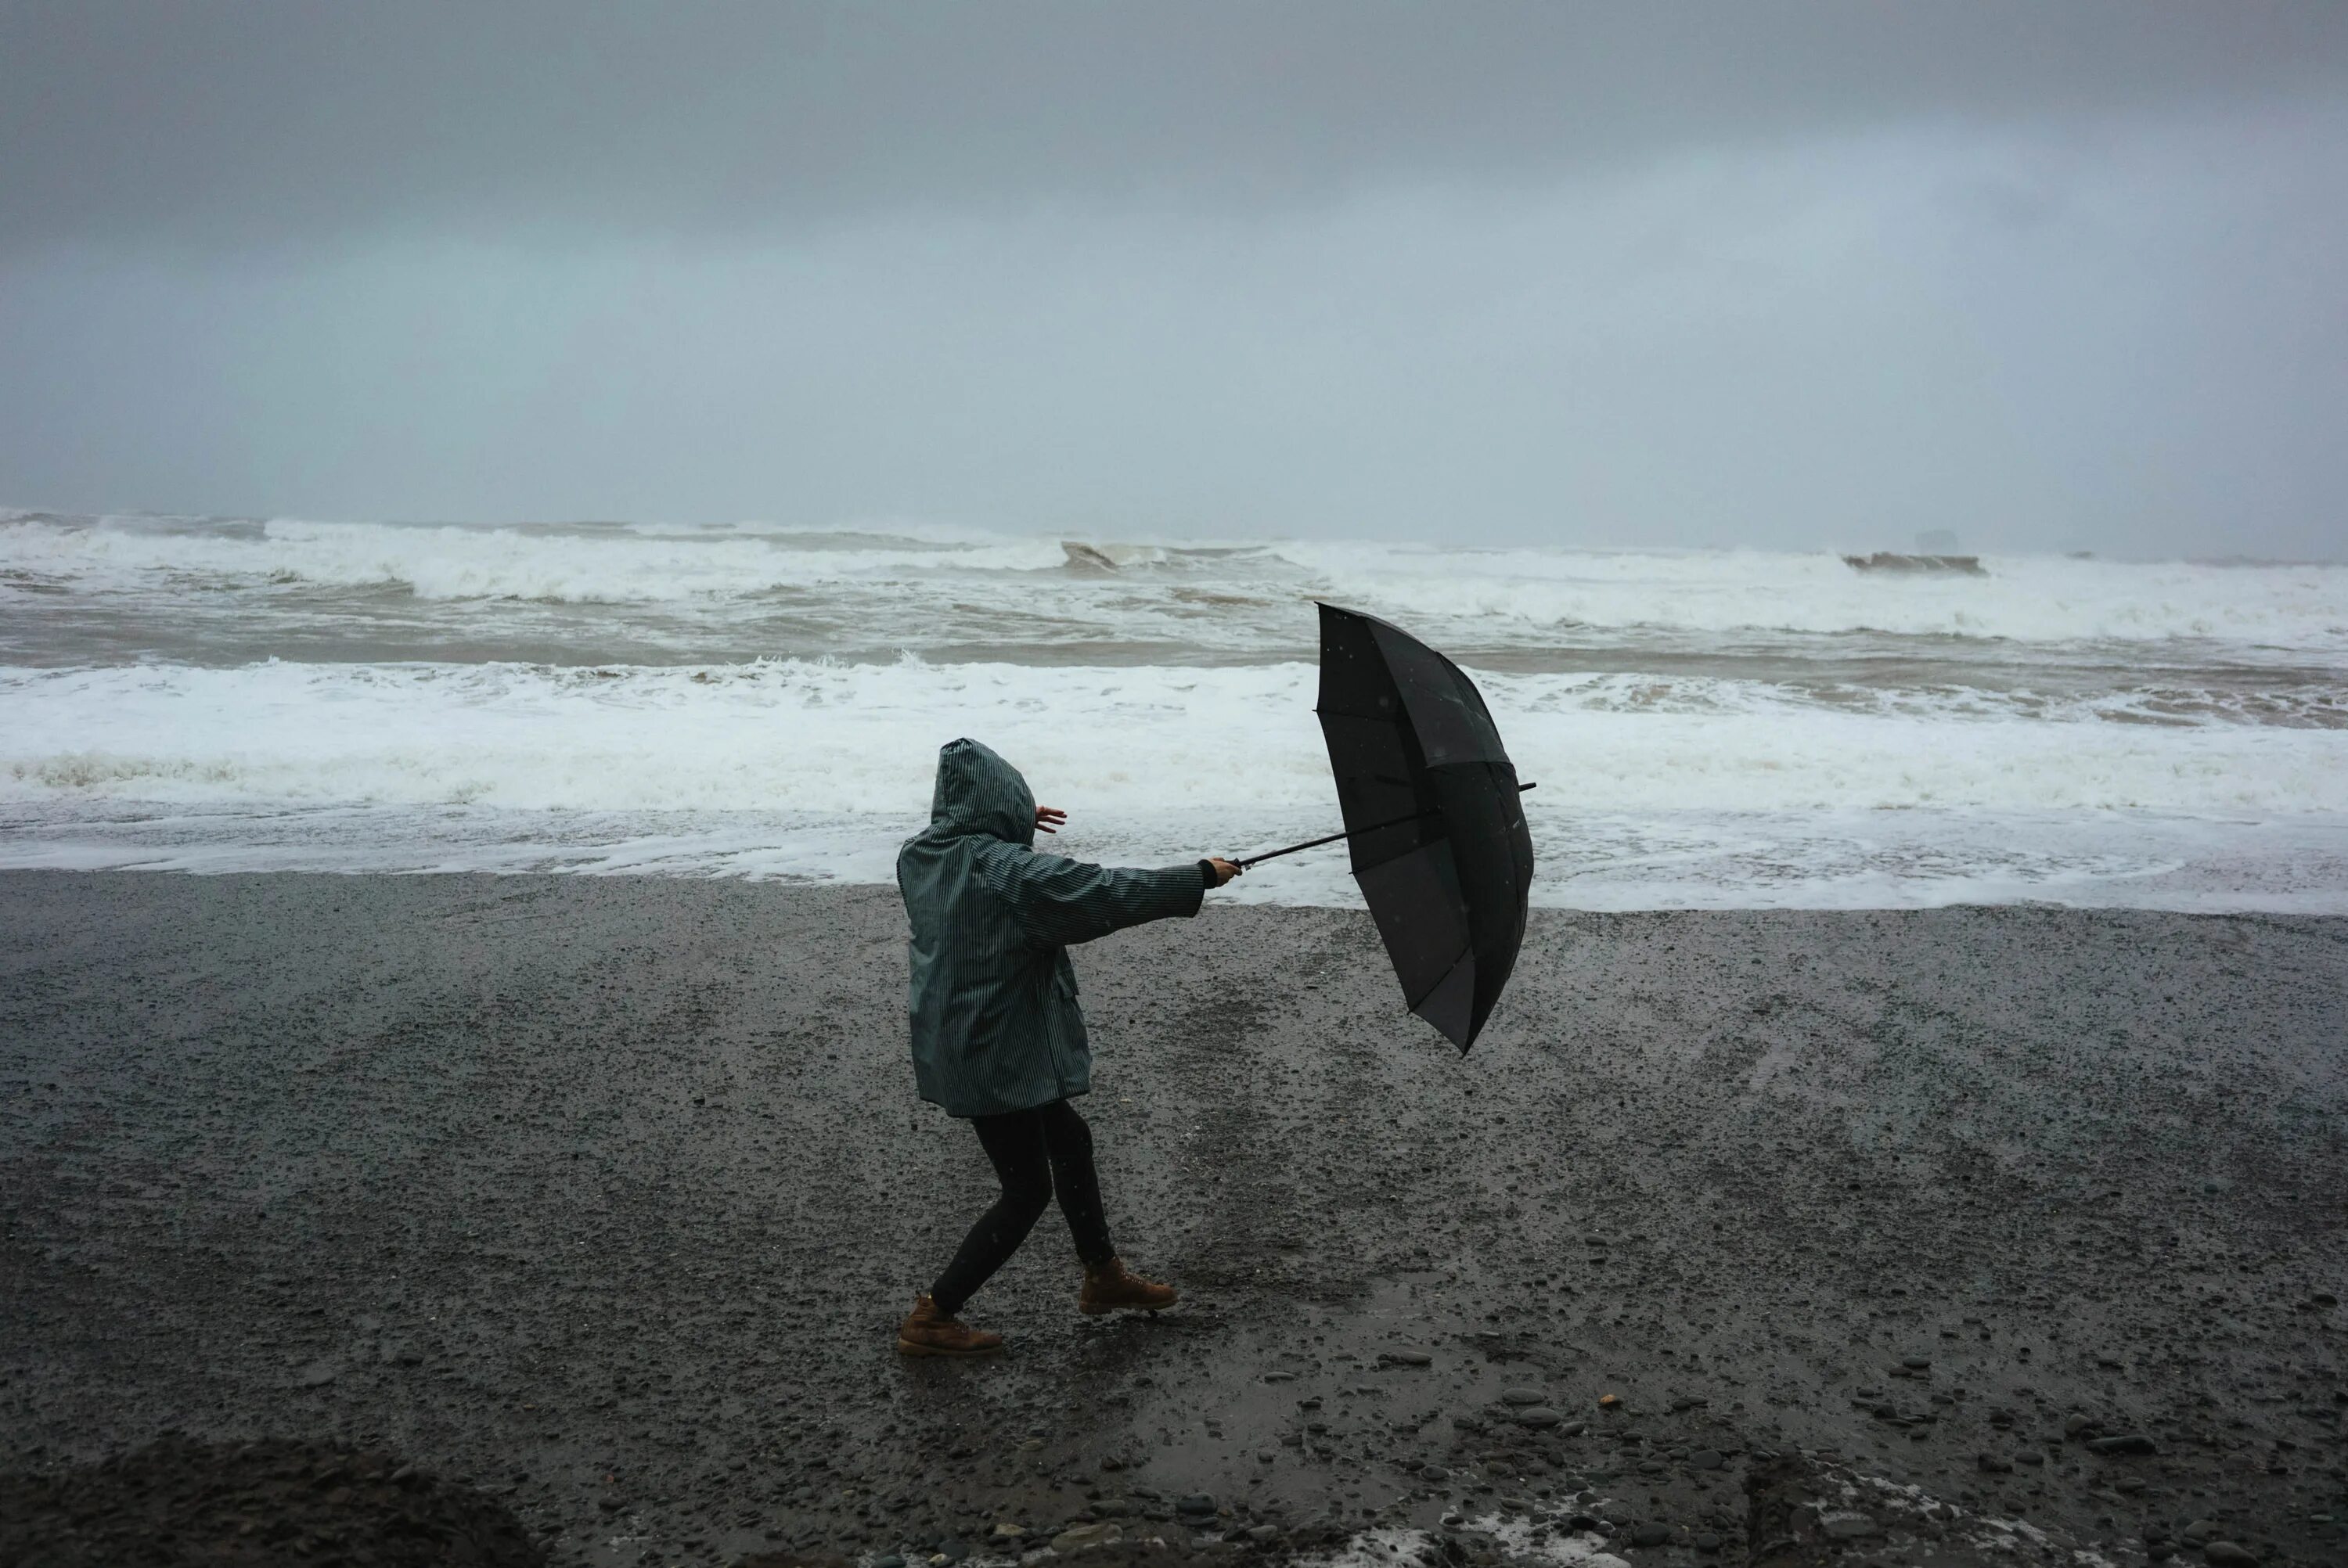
x=1708, y=728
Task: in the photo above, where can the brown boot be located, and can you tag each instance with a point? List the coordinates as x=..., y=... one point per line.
x=927, y=1331
x=1110, y=1285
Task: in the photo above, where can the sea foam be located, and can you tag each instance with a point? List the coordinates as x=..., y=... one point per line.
x=791, y=735
x=1716, y=728
x=1216, y=596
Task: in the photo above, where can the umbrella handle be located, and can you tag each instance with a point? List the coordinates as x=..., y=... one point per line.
x=1354, y=833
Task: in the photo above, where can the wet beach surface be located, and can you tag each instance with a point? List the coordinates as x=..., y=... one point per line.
x=607, y=1193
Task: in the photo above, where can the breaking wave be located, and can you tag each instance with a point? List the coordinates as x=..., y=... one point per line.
x=1709, y=728
x=857, y=739
x=1234, y=598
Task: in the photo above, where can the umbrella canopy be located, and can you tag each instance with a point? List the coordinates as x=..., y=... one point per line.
x=1432, y=817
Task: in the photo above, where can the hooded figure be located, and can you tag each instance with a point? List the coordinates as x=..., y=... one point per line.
x=997, y=1035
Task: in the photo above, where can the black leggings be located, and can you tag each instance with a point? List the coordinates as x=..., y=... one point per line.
x=1033, y=1150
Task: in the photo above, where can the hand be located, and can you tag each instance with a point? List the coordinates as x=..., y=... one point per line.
x=1048, y=818
x=1224, y=870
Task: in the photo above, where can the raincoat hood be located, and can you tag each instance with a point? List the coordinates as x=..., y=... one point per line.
x=979, y=793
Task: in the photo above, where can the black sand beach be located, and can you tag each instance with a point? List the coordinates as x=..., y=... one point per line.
x=606, y=1194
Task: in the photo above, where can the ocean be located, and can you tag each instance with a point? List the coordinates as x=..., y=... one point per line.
x=1720, y=729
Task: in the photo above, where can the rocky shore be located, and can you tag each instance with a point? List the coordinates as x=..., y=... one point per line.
x=600, y=1197
x=271, y=1504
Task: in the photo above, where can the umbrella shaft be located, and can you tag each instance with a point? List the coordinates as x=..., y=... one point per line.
x=1353, y=833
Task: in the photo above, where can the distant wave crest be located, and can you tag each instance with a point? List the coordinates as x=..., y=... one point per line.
x=1232, y=598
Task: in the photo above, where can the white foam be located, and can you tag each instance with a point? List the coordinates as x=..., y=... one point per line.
x=791, y=735
x=1888, y=860
x=1653, y=794
x=1244, y=596
x=1524, y=1540
x=2030, y=598
x=567, y=566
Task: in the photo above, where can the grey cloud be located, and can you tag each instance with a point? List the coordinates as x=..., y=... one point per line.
x=1804, y=346
x=2051, y=273
x=232, y=122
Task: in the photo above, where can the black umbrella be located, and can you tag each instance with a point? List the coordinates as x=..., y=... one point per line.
x=1432, y=817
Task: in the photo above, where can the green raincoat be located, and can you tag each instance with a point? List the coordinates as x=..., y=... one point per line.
x=995, y=1022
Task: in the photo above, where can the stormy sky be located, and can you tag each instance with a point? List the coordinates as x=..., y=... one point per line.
x=2046, y=274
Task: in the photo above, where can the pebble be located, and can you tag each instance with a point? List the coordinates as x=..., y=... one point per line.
x=1707, y=1540
x=1407, y=1358
x=2124, y=1443
x=890, y=1560
x=1650, y=1535
x=1707, y=1459
x=2226, y=1554
x=1538, y=1416
x=1196, y=1505
x=1849, y=1526
x=1995, y=1465
x=317, y=1374
x=1520, y=1395
x=1916, y=1363
x=1263, y=1534
x=2072, y=1425
x=1085, y=1536
x=2199, y=1531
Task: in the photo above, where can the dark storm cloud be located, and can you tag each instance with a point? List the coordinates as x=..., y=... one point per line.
x=223, y=122
x=2050, y=273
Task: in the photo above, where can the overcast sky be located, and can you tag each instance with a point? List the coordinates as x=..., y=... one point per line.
x=2047, y=274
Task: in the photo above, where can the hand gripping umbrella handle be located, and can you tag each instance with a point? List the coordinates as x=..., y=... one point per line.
x=1354, y=833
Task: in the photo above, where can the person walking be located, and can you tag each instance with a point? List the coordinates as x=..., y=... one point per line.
x=998, y=1039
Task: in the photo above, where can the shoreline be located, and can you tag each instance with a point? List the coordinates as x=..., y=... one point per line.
x=549, y=1179
x=1847, y=862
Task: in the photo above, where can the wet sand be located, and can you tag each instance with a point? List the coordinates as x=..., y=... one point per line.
x=606, y=1194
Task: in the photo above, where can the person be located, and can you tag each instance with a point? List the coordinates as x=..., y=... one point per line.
x=998, y=1037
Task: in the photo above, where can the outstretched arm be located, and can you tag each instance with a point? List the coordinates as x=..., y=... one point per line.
x=1061, y=902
